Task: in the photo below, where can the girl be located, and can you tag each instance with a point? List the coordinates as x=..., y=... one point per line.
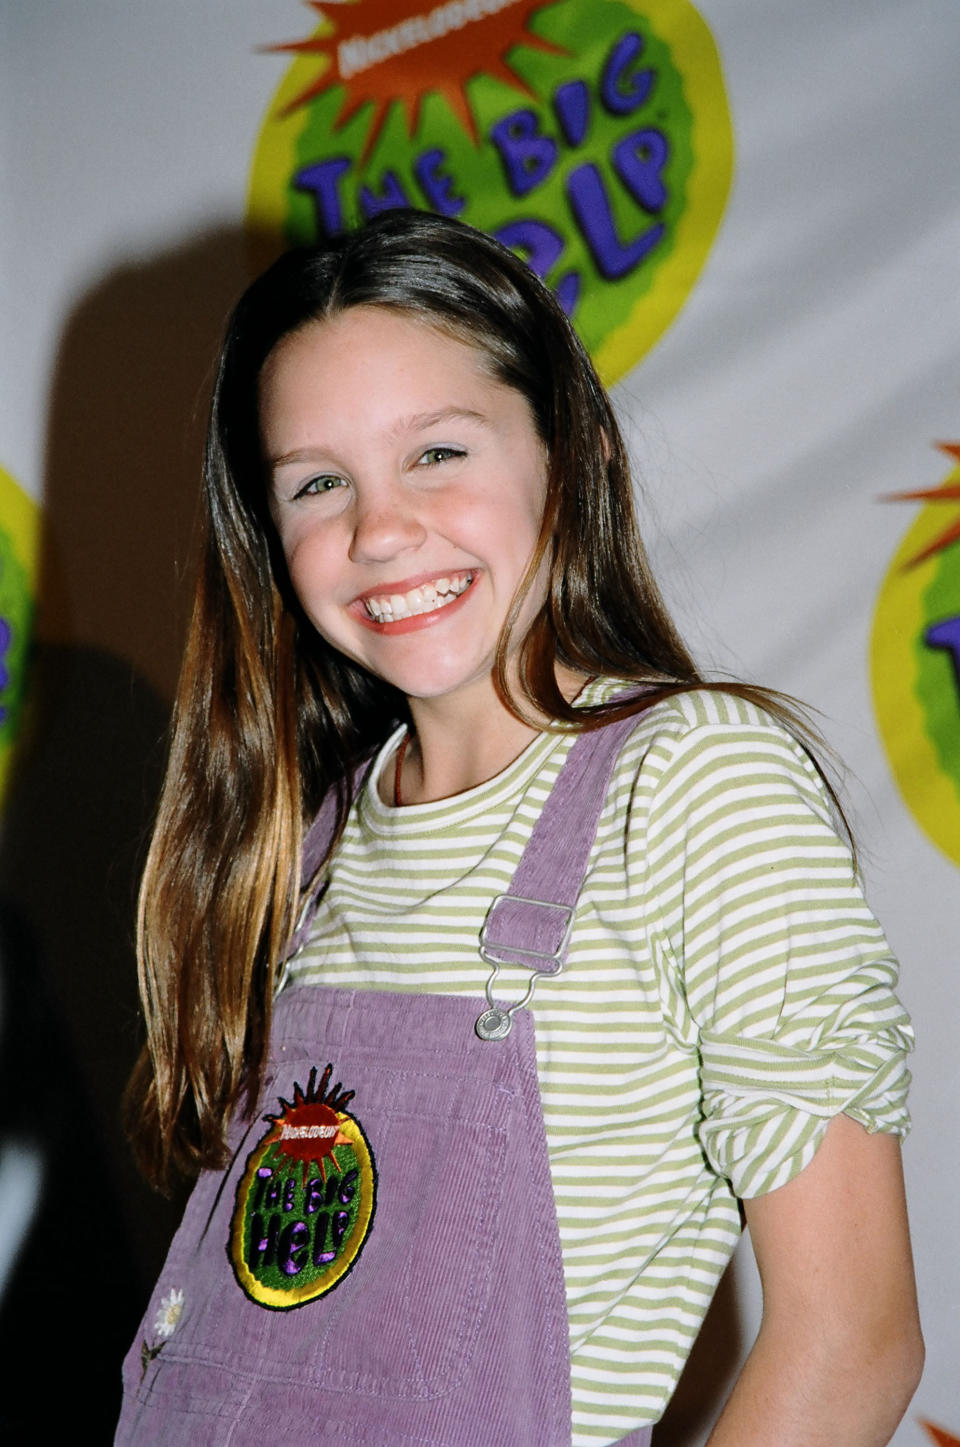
x=425, y=1213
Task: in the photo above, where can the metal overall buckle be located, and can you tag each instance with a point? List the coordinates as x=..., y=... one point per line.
x=496, y=1022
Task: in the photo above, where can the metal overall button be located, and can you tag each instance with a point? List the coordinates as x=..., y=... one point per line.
x=494, y=1024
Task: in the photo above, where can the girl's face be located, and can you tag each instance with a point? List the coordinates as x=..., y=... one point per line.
x=407, y=487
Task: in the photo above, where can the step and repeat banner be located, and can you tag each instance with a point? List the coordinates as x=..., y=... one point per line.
x=752, y=216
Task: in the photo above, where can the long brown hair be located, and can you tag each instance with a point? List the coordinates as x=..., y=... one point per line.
x=268, y=717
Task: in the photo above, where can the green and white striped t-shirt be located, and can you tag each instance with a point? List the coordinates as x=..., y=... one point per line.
x=727, y=992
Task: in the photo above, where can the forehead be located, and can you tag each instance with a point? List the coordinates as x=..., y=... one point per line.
x=371, y=332
x=373, y=367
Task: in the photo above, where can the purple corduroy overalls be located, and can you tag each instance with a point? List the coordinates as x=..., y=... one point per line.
x=380, y=1265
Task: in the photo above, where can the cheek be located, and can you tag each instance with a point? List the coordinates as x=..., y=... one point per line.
x=309, y=567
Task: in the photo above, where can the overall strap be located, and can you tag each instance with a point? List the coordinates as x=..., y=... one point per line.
x=530, y=924
x=316, y=845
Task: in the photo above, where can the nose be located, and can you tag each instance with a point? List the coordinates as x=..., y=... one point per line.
x=384, y=525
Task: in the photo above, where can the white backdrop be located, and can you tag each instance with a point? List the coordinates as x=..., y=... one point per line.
x=812, y=371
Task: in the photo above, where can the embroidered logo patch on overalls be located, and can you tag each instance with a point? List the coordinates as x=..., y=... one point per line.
x=306, y=1199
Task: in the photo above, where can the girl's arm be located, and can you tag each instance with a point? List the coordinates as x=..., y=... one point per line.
x=839, y=1351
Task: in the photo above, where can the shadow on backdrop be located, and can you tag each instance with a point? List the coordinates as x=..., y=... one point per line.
x=126, y=417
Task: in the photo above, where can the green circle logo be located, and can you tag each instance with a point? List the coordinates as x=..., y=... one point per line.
x=592, y=138
x=306, y=1199
x=19, y=531
x=915, y=662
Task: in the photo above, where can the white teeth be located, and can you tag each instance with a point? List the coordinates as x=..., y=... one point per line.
x=424, y=599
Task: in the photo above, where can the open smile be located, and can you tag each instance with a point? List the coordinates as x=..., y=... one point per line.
x=416, y=607
x=419, y=602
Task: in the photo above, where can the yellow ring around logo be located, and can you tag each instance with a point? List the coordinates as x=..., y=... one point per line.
x=900, y=619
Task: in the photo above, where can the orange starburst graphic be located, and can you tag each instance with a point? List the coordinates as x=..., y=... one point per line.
x=939, y=1436
x=398, y=50
x=308, y=1129
x=948, y=491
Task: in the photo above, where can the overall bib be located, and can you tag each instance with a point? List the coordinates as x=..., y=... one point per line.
x=380, y=1264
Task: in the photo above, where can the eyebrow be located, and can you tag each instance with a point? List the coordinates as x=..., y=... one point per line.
x=417, y=422
x=421, y=420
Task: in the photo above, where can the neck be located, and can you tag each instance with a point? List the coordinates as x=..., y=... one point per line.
x=457, y=744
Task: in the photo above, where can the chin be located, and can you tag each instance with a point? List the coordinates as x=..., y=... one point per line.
x=437, y=684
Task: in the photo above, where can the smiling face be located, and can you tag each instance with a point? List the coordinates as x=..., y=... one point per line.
x=407, y=487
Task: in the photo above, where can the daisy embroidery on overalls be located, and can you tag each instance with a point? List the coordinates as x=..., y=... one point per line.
x=169, y=1312
x=306, y=1199
x=164, y=1324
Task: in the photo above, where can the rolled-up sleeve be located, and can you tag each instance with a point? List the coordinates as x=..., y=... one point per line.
x=786, y=979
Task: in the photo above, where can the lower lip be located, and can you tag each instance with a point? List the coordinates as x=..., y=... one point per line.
x=416, y=621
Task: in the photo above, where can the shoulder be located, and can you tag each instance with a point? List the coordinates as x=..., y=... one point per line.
x=695, y=708
x=703, y=730
x=711, y=761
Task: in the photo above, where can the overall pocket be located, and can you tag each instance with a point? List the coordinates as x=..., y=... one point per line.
x=348, y=1247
